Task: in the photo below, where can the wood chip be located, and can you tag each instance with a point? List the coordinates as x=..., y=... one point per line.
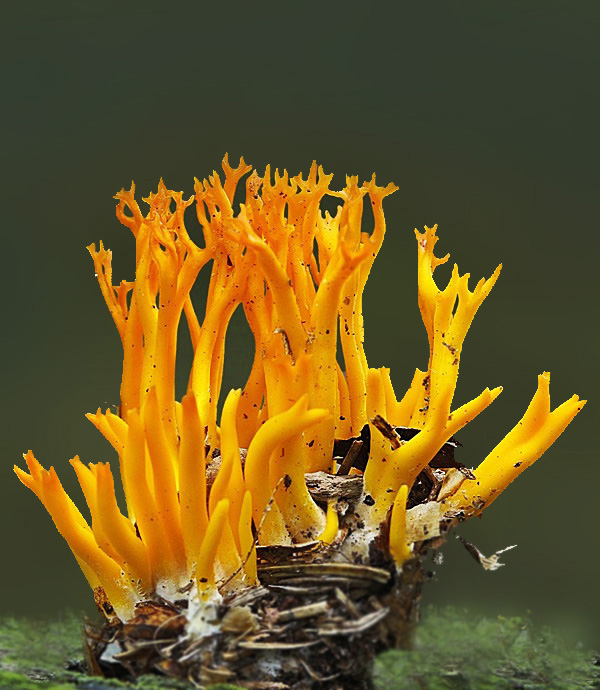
x=451, y=483
x=239, y=620
x=423, y=522
x=324, y=487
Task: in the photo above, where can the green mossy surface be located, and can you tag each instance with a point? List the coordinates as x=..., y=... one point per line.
x=456, y=651
x=453, y=651
x=34, y=656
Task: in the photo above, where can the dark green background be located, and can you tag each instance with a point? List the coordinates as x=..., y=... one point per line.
x=486, y=116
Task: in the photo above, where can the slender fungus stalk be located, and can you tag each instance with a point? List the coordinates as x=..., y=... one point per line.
x=316, y=490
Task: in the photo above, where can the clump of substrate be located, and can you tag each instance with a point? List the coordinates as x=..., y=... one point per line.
x=281, y=547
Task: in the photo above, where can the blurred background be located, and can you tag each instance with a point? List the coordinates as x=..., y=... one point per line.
x=486, y=117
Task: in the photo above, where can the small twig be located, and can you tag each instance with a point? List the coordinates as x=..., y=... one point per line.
x=388, y=431
x=358, y=626
x=315, y=676
x=301, y=612
x=348, y=461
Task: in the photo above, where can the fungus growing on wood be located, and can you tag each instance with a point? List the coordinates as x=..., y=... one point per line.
x=229, y=513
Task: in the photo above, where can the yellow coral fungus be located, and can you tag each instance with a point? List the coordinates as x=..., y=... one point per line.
x=207, y=494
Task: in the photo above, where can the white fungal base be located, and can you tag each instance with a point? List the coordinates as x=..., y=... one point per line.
x=203, y=613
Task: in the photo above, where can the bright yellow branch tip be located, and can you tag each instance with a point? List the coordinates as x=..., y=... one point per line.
x=299, y=274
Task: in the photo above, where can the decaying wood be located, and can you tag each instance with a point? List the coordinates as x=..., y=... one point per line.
x=315, y=620
x=299, y=628
x=323, y=486
x=423, y=522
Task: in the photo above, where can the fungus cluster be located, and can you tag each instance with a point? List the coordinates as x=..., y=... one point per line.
x=204, y=492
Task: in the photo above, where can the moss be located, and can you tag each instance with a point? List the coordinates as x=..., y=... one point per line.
x=17, y=681
x=43, y=646
x=69, y=681
x=454, y=651
x=34, y=656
